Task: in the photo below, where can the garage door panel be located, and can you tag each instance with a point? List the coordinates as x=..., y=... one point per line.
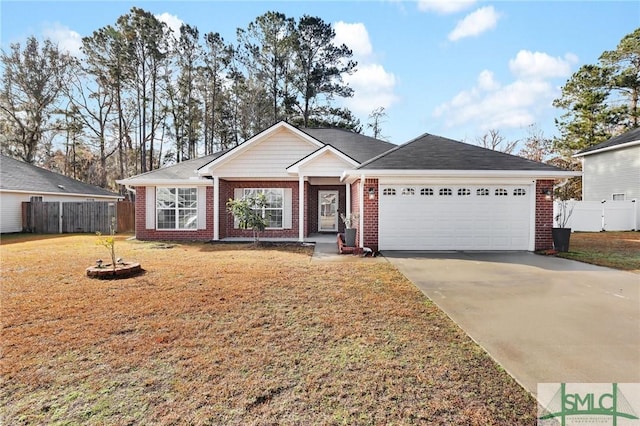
x=455, y=222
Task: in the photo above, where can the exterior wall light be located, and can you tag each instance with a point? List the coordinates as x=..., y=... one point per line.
x=372, y=193
x=546, y=192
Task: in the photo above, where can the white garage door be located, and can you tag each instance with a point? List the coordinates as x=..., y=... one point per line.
x=454, y=217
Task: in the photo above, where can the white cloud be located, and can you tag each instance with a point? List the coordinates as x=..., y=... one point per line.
x=354, y=36
x=66, y=39
x=486, y=81
x=444, y=6
x=373, y=86
x=529, y=64
x=172, y=22
x=491, y=105
x=475, y=23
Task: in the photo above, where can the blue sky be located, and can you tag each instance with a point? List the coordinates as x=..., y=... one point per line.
x=454, y=69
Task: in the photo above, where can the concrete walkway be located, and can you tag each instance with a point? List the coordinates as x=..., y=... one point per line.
x=326, y=250
x=544, y=319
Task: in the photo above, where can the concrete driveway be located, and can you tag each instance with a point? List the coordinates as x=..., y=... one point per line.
x=544, y=319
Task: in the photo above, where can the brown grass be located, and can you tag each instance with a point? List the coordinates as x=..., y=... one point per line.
x=620, y=250
x=228, y=334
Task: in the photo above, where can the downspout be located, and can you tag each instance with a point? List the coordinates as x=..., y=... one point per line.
x=581, y=177
x=361, y=225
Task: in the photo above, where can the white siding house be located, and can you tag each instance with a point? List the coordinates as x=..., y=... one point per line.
x=611, y=170
x=19, y=182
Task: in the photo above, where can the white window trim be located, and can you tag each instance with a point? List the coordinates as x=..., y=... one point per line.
x=613, y=196
x=282, y=193
x=177, y=209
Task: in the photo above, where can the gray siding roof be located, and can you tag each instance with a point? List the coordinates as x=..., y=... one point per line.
x=359, y=147
x=630, y=136
x=17, y=175
x=430, y=152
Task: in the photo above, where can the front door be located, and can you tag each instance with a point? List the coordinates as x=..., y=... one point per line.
x=327, y=211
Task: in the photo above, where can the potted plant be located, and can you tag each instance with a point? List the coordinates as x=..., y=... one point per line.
x=561, y=233
x=349, y=231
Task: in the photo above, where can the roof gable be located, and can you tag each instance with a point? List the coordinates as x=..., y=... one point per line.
x=282, y=143
x=326, y=160
x=630, y=138
x=430, y=152
x=268, y=155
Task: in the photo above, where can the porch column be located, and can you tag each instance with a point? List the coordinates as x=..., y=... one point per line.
x=216, y=208
x=301, y=206
x=348, y=206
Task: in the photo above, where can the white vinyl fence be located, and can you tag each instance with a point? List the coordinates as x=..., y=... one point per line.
x=595, y=216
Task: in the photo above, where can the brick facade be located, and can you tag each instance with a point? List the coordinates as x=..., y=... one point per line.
x=142, y=233
x=226, y=219
x=371, y=214
x=544, y=215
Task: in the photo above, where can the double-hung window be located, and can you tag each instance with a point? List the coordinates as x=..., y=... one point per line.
x=273, y=212
x=177, y=208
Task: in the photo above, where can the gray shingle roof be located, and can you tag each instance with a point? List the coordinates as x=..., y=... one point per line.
x=359, y=147
x=430, y=152
x=354, y=145
x=183, y=170
x=17, y=175
x=630, y=136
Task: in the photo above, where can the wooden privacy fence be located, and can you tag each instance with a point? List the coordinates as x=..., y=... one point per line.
x=126, y=211
x=56, y=217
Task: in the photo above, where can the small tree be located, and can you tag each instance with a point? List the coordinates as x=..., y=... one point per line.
x=249, y=211
x=109, y=242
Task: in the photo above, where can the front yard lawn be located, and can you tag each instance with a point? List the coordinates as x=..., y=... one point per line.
x=229, y=334
x=620, y=250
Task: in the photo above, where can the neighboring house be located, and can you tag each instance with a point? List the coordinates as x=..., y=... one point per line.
x=431, y=193
x=611, y=169
x=20, y=182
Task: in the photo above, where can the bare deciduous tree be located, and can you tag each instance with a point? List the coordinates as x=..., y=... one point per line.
x=495, y=141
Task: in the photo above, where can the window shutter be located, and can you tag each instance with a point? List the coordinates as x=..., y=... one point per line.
x=238, y=193
x=202, y=207
x=287, y=213
x=150, y=208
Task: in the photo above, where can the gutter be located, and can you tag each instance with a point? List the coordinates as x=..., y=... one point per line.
x=351, y=175
x=609, y=148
